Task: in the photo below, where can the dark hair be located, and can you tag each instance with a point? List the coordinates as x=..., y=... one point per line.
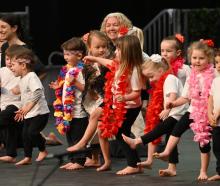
x=178, y=44
x=25, y=53
x=75, y=43
x=12, y=50
x=15, y=20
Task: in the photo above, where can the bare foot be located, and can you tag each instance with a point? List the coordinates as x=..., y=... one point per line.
x=91, y=163
x=145, y=164
x=131, y=142
x=25, y=161
x=167, y=173
x=66, y=165
x=8, y=159
x=53, y=139
x=214, y=178
x=42, y=155
x=104, y=167
x=162, y=156
x=74, y=166
x=130, y=170
x=76, y=147
x=202, y=176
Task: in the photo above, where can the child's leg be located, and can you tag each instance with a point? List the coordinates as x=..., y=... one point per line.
x=130, y=154
x=9, y=126
x=162, y=128
x=90, y=130
x=173, y=160
x=169, y=172
x=74, y=134
x=104, y=144
x=27, y=144
x=149, y=161
x=216, y=151
x=204, y=166
x=205, y=156
x=181, y=126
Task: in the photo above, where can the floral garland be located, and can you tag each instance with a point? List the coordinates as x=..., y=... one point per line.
x=155, y=105
x=113, y=111
x=64, y=108
x=177, y=64
x=199, y=102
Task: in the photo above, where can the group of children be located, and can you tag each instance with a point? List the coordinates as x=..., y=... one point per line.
x=98, y=95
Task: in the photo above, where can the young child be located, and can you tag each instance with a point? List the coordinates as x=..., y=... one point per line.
x=172, y=52
x=217, y=62
x=71, y=118
x=34, y=110
x=122, y=101
x=9, y=105
x=196, y=91
x=156, y=69
x=98, y=46
x=214, y=115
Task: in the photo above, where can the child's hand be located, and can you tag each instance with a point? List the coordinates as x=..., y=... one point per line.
x=54, y=85
x=120, y=98
x=169, y=105
x=164, y=114
x=85, y=37
x=15, y=90
x=19, y=116
x=88, y=59
x=212, y=120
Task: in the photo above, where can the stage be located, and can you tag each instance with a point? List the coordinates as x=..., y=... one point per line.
x=187, y=170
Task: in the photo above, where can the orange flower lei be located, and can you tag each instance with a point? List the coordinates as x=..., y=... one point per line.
x=113, y=111
x=155, y=105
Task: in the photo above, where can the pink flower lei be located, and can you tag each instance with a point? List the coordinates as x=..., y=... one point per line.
x=199, y=102
x=64, y=108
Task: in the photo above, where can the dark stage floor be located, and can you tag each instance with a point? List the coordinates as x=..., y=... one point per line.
x=188, y=170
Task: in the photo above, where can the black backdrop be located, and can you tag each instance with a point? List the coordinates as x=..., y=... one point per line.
x=54, y=21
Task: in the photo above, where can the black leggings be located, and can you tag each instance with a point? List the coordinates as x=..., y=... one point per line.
x=74, y=134
x=9, y=129
x=130, y=154
x=216, y=147
x=182, y=125
x=31, y=133
x=164, y=127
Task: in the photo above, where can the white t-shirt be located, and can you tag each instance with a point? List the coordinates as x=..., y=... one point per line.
x=217, y=73
x=215, y=89
x=185, y=92
x=78, y=111
x=8, y=82
x=183, y=73
x=134, y=83
x=28, y=84
x=173, y=85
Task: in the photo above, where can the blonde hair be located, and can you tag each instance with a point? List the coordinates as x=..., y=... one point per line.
x=122, y=20
x=139, y=33
x=151, y=65
x=200, y=45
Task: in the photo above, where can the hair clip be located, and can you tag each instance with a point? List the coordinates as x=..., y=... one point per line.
x=209, y=42
x=20, y=60
x=180, y=38
x=156, y=58
x=123, y=30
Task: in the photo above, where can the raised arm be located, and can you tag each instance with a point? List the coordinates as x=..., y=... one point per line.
x=102, y=61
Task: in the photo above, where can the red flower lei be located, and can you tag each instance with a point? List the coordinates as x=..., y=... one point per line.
x=113, y=111
x=155, y=105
